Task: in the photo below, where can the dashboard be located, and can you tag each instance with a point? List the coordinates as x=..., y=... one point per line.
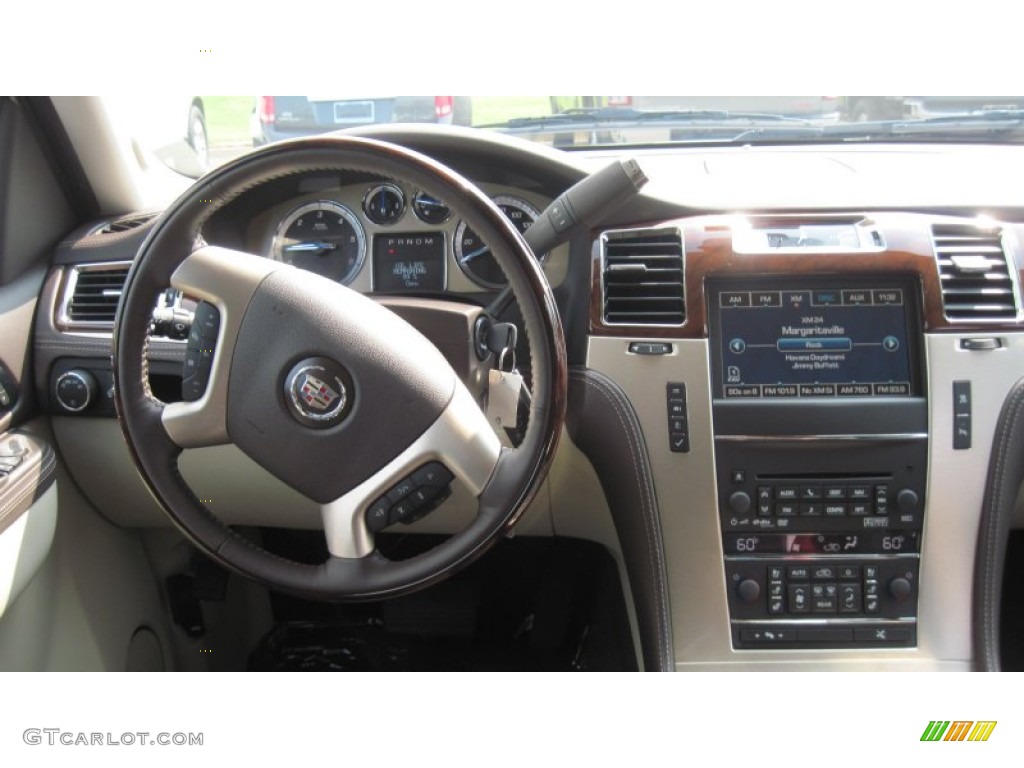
x=791, y=412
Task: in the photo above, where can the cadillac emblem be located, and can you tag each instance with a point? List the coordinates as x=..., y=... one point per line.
x=318, y=392
x=314, y=393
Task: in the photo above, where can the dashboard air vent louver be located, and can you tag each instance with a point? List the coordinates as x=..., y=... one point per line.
x=94, y=293
x=125, y=223
x=643, y=278
x=976, y=282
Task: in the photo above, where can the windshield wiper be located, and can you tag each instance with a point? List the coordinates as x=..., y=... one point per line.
x=725, y=127
x=576, y=119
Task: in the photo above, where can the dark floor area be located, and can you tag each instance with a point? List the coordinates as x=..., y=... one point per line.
x=1011, y=639
x=528, y=604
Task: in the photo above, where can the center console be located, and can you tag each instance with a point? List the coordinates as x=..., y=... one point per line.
x=821, y=447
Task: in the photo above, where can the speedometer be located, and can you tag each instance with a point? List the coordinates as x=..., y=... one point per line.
x=323, y=237
x=475, y=258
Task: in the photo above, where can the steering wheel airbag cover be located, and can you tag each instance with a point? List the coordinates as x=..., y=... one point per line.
x=401, y=383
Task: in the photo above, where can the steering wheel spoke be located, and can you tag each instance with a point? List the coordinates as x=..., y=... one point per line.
x=226, y=280
x=460, y=445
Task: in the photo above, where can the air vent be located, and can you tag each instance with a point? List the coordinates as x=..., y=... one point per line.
x=92, y=294
x=976, y=283
x=125, y=223
x=643, y=278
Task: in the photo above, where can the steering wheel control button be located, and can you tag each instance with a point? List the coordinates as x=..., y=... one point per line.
x=199, y=351
x=434, y=474
x=411, y=498
x=377, y=515
x=74, y=390
x=401, y=490
x=318, y=392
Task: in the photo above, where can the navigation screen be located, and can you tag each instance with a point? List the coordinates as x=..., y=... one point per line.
x=412, y=262
x=814, y=342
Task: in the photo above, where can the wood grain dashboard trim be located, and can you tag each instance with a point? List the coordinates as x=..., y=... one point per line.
x=908, y=251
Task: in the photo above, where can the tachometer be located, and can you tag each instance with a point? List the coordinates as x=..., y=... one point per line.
x=323, y=237
x=475, y=258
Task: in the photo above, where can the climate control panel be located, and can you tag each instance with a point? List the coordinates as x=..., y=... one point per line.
x=822, y=541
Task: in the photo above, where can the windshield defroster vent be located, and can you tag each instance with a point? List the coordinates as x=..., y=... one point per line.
x=642, y=277
x=91, y=295
x=976, y=282
x=125, y=223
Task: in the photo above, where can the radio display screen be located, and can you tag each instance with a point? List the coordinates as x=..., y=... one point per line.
x=408, y=262
x=836, y=339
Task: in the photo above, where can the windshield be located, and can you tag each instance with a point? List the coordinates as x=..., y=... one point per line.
x=192, y=134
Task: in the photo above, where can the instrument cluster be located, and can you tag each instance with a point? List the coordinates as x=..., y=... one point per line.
x=389, y=238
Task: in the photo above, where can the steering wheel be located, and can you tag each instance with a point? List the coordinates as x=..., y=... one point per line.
x=325, y=388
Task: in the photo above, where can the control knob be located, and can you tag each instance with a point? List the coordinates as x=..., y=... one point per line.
x=75, y=390
x=739, y=502
x=900, y=589
x=748, y=590
x=907, y=500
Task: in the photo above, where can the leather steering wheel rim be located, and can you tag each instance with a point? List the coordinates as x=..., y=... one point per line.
x=164, y=257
